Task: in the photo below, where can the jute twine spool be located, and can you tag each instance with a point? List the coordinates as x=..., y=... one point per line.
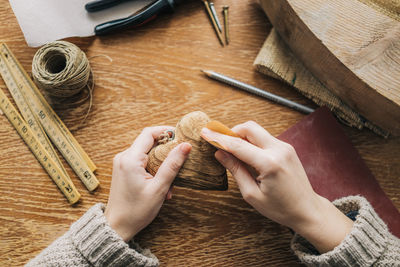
x=63, y=71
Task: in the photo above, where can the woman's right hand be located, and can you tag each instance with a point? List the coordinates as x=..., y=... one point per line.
x=135, y=195
x=272, y=179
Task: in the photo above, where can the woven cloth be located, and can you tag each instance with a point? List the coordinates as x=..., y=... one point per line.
x=276, y=60
x=390, y=8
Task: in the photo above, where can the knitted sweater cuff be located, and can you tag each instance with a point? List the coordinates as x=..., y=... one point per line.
x=102, y=246
x=364, y=245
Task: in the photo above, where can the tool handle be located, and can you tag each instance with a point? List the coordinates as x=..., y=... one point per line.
x=98, y=5
x=137, y=19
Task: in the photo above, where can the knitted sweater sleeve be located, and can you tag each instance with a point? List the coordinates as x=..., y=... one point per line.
x=92, y=242
x=368, y=244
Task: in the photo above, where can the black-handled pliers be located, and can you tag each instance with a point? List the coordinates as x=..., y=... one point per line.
x=143, y=16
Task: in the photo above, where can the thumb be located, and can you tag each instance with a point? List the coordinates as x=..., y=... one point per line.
x=172, y=164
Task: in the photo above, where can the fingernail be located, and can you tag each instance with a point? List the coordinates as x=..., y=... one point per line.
x=185, y=148
x=205, y=131
x=210, y=135
x=214, y=138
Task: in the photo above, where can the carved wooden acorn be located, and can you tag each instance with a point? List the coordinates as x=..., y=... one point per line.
x=201, y=170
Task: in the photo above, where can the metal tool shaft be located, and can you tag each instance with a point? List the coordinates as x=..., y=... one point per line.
x=259, y=92
x=226, y=23
x=207, y=5
x=214, y=13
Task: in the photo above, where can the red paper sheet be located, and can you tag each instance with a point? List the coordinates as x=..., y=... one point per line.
x=333, y=165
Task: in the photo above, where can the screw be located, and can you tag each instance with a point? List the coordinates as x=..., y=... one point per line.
x=214, y=13
x=226, y=23
x=214, y=24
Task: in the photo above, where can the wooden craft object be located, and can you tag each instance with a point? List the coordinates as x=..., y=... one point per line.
x=349, y=46
x=201, y=170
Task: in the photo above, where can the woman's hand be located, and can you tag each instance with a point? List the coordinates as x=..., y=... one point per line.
x=136, y=196
x=271, y=179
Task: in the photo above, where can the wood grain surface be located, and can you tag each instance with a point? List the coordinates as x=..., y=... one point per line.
x=155, y=79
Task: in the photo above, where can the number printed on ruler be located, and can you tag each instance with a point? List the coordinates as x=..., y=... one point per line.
x=27, y=114
x=37, y=149
x=51, y=127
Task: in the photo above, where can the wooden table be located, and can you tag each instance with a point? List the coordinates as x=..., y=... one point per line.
x=154, y=78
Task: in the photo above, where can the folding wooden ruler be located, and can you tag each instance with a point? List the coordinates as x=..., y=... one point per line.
x=39, y=116
x=62, y=181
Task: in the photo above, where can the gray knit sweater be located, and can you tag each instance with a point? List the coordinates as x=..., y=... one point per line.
x=92, y=242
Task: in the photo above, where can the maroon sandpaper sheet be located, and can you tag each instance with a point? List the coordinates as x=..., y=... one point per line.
x=333, y=165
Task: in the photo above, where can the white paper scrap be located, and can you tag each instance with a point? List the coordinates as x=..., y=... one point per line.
x=44, y=21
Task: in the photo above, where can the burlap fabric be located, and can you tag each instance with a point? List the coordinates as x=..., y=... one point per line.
x=390, y=8
x=276, y=60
